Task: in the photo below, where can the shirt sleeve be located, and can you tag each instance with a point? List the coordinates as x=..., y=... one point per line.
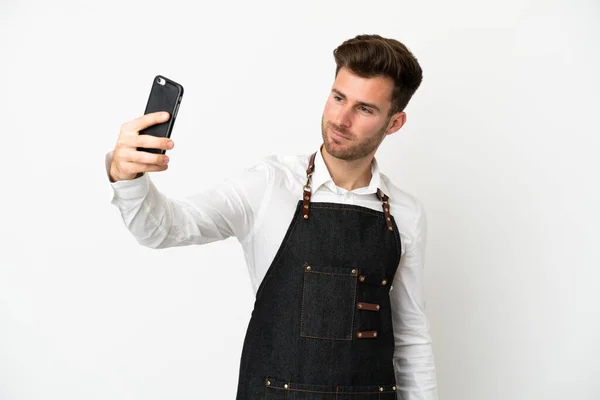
x=216, y=213
x=414, y=363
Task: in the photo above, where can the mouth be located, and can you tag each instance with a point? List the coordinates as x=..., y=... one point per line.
x=337, y=135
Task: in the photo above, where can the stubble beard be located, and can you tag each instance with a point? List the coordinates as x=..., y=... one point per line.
x=353, y=150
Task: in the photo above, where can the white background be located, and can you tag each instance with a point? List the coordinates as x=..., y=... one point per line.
x=501, y=145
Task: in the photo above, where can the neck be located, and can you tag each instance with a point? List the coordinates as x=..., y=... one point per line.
x=349, y=175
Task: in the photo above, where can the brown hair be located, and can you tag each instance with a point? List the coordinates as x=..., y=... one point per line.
x=369, y=56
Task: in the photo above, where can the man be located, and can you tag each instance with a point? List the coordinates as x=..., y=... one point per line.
x=339, y=297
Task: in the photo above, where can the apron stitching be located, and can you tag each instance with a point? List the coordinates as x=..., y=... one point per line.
x=325, y=392
x=353, y=307
x=328, y=338
x=370, y=212
x=330, y=273
x=320, y=337
x=302, y=308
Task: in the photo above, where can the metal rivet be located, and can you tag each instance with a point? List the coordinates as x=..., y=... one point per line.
x=285, y=386
x=384, y=282
x=306, y=197
x=305, y=216
x=378, y=306
x=362, y=278
x=380, y=389
x=359, y=305
x=268, y=383
x=389, y=219
x=353, y=271
x=359, y=334
x=374, y=334
x=306, y=206
x=390, y=228
x=387, y=210
x=393, y=387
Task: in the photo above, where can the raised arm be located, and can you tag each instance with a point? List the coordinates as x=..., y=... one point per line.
x=157, y=221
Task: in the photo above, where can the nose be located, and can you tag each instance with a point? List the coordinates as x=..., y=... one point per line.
x=343, y=117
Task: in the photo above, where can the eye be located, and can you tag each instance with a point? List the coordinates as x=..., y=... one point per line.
x=366, y=110
x=337, y=98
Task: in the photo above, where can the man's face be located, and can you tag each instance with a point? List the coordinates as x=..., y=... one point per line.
x=355, y=119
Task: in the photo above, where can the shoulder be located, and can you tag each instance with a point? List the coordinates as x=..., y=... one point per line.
x=288, y=162
x=409, y=213
x=283, y=168
x=274, y=167
x=401, y=198
x=404, y=205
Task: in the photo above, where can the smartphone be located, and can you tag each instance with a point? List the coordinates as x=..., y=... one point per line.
x=165, y=95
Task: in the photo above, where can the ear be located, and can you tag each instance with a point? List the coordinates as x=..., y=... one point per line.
x=396, y=122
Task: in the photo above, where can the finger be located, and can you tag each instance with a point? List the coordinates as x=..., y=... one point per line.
x=144, y=157
x=134, y=168
x=153, y=142
x=145, y=121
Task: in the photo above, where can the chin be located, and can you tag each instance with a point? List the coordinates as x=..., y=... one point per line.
x=337, y=150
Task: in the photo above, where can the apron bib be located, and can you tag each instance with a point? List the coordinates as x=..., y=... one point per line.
x=321, y=327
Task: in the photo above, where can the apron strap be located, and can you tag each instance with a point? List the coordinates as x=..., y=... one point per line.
x=308, y=192
x=306, y=188
x=386, y=208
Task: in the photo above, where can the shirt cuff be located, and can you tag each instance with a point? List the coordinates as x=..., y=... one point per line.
x=132, y=189
x=421, y=395
x=129, y=189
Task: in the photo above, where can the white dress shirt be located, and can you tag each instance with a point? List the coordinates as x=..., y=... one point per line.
x=257, y=206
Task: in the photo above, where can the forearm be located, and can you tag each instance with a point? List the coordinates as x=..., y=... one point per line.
x=212, y=214
x=414, y=366
x=158, y=222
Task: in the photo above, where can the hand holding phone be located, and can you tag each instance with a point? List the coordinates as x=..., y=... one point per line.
x=127, y=162
x=165, y=95
x=150, y=133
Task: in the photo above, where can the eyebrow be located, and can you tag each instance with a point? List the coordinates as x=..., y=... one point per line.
x=362, y=103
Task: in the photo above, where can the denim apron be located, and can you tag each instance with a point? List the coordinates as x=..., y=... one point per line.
x=321, y=327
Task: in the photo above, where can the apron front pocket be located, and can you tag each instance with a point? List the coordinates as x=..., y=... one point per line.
x=328, y=302
x=276, y=389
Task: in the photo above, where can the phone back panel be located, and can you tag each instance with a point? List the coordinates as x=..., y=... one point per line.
x=163, y=97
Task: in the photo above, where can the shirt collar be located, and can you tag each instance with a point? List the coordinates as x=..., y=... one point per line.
x=321, y=177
